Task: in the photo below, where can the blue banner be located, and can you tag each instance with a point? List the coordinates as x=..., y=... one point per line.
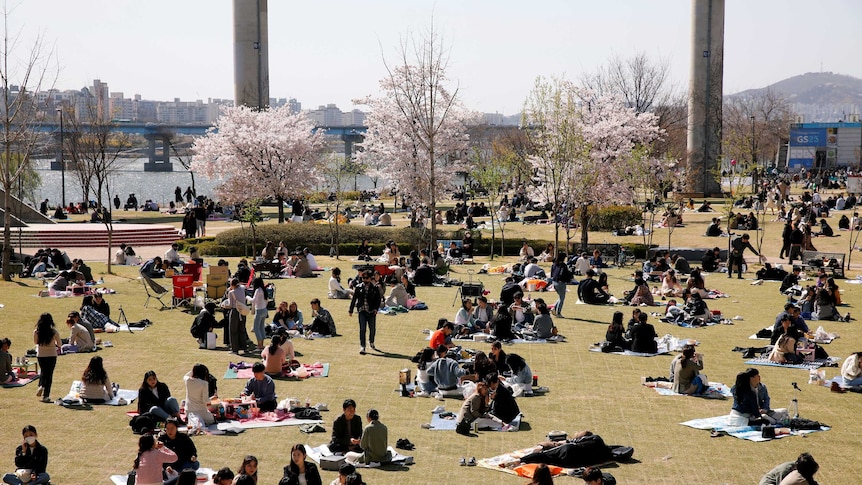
x=811, y=137
x=800, y=162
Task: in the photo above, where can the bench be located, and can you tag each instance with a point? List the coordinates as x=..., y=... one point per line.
x=832, y=262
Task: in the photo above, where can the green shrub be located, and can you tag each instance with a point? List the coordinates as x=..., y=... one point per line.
x=613, y=217
x=318, y=237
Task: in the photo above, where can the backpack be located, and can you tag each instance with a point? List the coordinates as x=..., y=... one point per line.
x=306, y=413
x=142, y=423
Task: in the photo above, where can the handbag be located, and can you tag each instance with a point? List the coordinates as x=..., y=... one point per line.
x=225, y=304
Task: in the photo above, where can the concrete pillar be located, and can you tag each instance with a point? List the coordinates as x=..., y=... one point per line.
x=158, y=162
x=349, y=139
x=250, y=53
x=705, y=96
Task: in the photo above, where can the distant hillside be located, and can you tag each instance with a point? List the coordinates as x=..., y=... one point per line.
x=817, y=88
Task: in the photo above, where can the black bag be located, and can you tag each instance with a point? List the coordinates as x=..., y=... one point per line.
x=142, y=423
x=132, y=477
x=306, y=413
x=820, y=352
x=767, y=432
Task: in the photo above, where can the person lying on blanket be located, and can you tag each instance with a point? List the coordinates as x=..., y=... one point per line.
x=261, y=388
x=751, y=399
x=583, y=449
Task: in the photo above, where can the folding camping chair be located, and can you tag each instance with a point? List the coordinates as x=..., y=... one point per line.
x=184, y=290
x=154, y=290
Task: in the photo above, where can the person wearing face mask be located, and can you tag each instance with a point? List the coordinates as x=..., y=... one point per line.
x=31, y=461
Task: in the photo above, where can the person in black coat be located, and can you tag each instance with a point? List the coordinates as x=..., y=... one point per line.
x=154, y=397
x=643, y=336
x=346, y=430
x=31, y=455
x=299, y=465
x=183, y=446
x=711, y=260
x=503, y=405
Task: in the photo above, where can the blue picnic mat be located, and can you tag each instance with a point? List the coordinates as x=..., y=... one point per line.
x=716, y=390
x=750, y=433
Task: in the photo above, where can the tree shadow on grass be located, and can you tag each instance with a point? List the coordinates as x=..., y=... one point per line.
x=588, y=320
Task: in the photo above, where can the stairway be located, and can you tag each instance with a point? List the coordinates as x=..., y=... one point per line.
x=88, y=235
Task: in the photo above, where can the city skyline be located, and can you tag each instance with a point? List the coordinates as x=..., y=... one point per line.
x=319, y=56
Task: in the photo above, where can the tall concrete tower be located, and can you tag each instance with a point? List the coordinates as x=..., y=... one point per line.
x=250, y=53
x=705, y=96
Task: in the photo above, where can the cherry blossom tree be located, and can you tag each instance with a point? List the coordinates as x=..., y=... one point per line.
x=589, y=150
x=418, y=125
x=260, y=154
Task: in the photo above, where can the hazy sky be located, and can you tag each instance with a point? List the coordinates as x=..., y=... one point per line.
x=331, y=51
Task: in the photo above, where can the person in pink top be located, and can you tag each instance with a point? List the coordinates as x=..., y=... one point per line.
x=151, y=456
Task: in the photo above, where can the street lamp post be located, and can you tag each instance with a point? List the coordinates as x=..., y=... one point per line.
x=62, y=162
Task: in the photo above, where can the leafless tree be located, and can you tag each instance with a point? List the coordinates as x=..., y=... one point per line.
x=95, y=149
x=22, y=73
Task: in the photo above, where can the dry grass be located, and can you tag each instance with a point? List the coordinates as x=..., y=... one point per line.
x=588, y=390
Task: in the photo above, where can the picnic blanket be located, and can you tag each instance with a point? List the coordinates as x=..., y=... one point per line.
x=808, y=364
x=121, y=398
x=315, y=453
x=446, y=421
x=716, y=390
x=507, y=462
x=265, y=420
x=751, y=433
x=314, y=370
x=203, y=475
x=22, y=380
x=840, y=381
x=630, y=353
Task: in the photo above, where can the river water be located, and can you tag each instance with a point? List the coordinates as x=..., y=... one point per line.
x=131, y=178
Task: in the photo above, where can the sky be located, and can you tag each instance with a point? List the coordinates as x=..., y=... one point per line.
x=332, y=51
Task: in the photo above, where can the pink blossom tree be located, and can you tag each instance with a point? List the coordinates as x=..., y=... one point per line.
x=418, y=125
x=589, y=150
x=260, y=154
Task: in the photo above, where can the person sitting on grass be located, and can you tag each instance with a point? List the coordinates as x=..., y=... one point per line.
x=96, y=387
x=750, y=398
x=154, y=397
x=261, y=388
x=374, y=442
x=643, y=336
x=152, y=456
x=335, y=289
x=641, y=294
x=804, y=466
x=322, y=322
x=183, y=446
x=31, y=461
x=474, y=407
x=79, y=338
x=300, y=471
x=521, y=381
x=686, y=373
x=7, y=374
x=274, y=357
x=204, y=323
x=346, y=429
x=503, y=406
x=446, y=373
x=784, y=350
x=589, y=291
x=543, y=324
x=670, y=285
x=442, y=336
x=397, y=294
x=615, y=335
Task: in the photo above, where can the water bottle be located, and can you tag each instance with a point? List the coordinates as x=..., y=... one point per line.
x=221, y=410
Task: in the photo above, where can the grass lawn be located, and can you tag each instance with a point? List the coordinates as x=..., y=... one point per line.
x=588, y=390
